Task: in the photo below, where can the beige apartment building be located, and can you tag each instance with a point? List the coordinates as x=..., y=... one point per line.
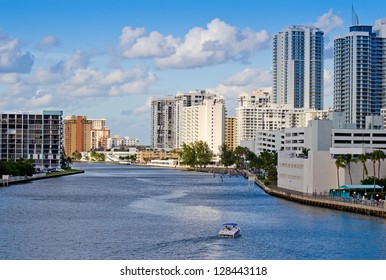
x=77, y=134
x=148, y=155
x=230, y=132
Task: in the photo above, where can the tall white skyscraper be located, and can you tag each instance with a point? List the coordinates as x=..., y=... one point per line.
x=201, y=116
x=186, y=118
x=360, y=72
x=298, y=67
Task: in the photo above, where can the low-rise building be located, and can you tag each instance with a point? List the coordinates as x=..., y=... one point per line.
x=121, y=142
x=150, y=154
x=316, y=171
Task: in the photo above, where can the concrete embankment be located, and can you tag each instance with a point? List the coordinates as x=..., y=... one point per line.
x=326, y=202
x=22, y=180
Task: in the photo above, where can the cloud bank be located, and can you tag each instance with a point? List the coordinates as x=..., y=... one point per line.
x=12, y=59
x=218, y=43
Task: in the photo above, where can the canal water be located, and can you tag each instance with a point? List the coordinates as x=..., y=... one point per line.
x=132, y=212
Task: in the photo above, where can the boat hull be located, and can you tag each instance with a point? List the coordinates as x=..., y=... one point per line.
x=230, y=233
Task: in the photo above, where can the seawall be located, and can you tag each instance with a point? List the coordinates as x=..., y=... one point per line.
x=34, y=178
x=325, y=202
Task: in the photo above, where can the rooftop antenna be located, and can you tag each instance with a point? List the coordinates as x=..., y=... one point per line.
x=355, y=19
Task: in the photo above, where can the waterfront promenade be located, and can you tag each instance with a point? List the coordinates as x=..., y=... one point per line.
x=365, y=207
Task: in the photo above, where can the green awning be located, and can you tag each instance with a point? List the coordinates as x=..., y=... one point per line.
x=351, y=187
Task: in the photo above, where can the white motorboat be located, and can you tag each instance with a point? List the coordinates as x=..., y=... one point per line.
x=230, y=230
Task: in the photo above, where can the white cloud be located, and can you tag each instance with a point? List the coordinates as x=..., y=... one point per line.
x=329, y=22
x=129, y=36
x=78, y=59
x=48, y=42
x=12, y=59
x=72, y=77
x=218, y=43
x=328, y=82
x=9, y=78
x=40, y=101
x=246, y=81
x=145, y=108
x=250, y=77
x=153, y=45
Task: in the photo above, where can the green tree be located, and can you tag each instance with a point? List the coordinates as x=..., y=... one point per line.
x=240, y=154
x=76, y=155
x=97, y=156
x=339, y=163
x=21, y=167
x=377, y=156
x=188, y=155
x=227, y=156
x=348, y=159
x=268, y=162
x=204, y=154
x=304, y=152
x=363, y=158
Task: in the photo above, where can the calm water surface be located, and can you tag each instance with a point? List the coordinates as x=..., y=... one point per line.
x=130, y=212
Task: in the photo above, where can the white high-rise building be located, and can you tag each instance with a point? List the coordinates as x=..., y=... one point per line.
x=186, y=118
x=298, y=67
x=247, y=114
x=255, y=113
x=360, y=72
x=203, y=120
x=184, y=100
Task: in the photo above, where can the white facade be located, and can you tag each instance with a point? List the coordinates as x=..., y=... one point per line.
x=253, y=117
x=185, y=100
x=247, y=114
x=118, y=142
x=317, y=173
x=204, y=121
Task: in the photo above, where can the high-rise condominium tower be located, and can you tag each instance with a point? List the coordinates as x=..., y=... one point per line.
x=163, y=123
x=360, y=72
x=298, y=67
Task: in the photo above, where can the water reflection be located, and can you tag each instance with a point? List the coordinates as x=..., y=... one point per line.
x=129, y=212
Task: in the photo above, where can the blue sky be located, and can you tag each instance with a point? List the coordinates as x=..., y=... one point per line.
x=109, y=58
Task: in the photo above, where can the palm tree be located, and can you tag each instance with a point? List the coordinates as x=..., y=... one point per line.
x=380, y=156
x=363, y=158
x=304, y=152
x=375, y=156
x=339, y=163
x=347, y=160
